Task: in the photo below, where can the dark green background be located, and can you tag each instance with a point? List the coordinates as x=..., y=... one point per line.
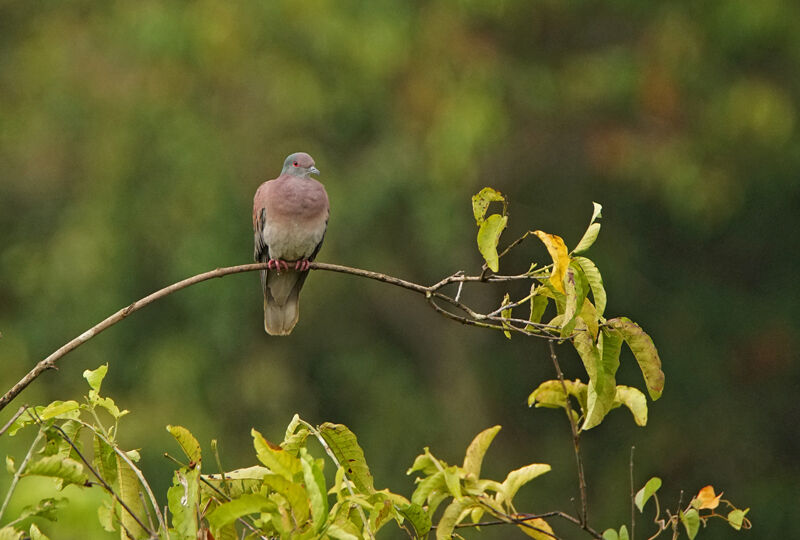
x=134, y=134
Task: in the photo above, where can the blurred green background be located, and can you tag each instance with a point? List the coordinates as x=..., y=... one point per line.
x=134, y=134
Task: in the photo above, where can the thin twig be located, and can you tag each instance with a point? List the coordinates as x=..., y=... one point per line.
x=12, y=419
x=633, y=497
x=584, y=518
x=20, y=470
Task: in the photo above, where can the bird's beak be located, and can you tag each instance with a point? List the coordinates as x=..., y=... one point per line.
x=313, y=170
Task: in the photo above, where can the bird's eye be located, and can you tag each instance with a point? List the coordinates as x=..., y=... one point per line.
x=295, y=164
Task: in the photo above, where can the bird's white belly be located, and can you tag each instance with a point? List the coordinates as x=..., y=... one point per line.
x=291, y=241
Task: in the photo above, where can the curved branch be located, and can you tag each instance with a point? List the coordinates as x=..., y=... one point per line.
x=429, y=293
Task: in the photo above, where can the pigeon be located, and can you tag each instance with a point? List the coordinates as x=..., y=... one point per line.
x=290, y=216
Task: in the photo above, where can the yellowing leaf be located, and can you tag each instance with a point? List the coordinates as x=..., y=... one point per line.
x=518, y=478
x=477, y=449
x=481, y=201
x=488, y=237
x=706, y=498
x=188, y=443
x=634, y=400
x=506, y=314
x=558, y=252
x=736, y=519
x=645, y=352
x=344, y=445
x=538, y=529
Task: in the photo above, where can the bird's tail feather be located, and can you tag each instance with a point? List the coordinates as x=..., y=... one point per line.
x=281, y=306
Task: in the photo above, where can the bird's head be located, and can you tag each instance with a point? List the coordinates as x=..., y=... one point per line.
x=299, y=164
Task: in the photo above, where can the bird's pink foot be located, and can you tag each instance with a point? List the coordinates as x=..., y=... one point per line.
x=278, y=264
x=302, y=265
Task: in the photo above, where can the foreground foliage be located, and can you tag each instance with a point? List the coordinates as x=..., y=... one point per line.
x=289, y=494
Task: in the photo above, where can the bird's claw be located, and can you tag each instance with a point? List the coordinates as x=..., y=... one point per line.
x=277, y=264
x=302, y=265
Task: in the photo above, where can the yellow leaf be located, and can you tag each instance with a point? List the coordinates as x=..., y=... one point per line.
x=537, y=532
x=558, y=252
x=706, y=498
x=488, y=237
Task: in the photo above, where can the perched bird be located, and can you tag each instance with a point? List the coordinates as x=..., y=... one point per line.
x=290, y=215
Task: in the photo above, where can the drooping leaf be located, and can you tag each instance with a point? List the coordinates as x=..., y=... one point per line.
x=427, y=486
x=95, y=377
x=577, y=288
x=488, y=238
x=595, y=282
x=537, y=528
x=538, y=305
x=506, y=314
x=635, y=401
x=518, y=478
x=249, y=503
x=558, y=252
x=691, y=521
x=736, y=518
x=315, y=487
x=344, y=445
x=418, y=518
x=481, y=201
x=644, y=494
x=551, y=394
x=452, y=480
x=645, y=353
x=602, y=384
x=451, y=517
x=706, y=498
x=183, y=498
x=66, y=469
x=188, y=443
x=477, y=449
x=590, y=318
x=129, y=492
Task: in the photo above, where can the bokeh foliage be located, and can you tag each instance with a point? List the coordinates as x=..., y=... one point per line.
x=133, y=135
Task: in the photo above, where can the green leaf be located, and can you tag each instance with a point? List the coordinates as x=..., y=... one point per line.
x=691, y=521
x=427, y=486
x=427, y=463
x=188, y=443
x=634, y=400
x=293, y=492
x=477, y=449
x=588, y=238
x=315, y=487
x=551, y=394
x=61, y=409
x=518, y=478
x=418, y=518
x=10, y=466
x=183, y=498
x=65, y=468
x=36, y=534
x=129, y=492
x=538, y=305
x=610, y=534
x=488, y=238
x=95, y=377
x=644, y=494
x=249, y=503
x=105, y=514
x=623, y=533
x=452, y=480
x=595, y=281
x=601, y=370
x=108, y=404
x=344, y=445
x=481, y=201
x=46, y=509
x=451, y=517
x=645, y=352
x=296, y=435
x=576, y=288
x=278, y=460
x=105, y=460
x=736, y=518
